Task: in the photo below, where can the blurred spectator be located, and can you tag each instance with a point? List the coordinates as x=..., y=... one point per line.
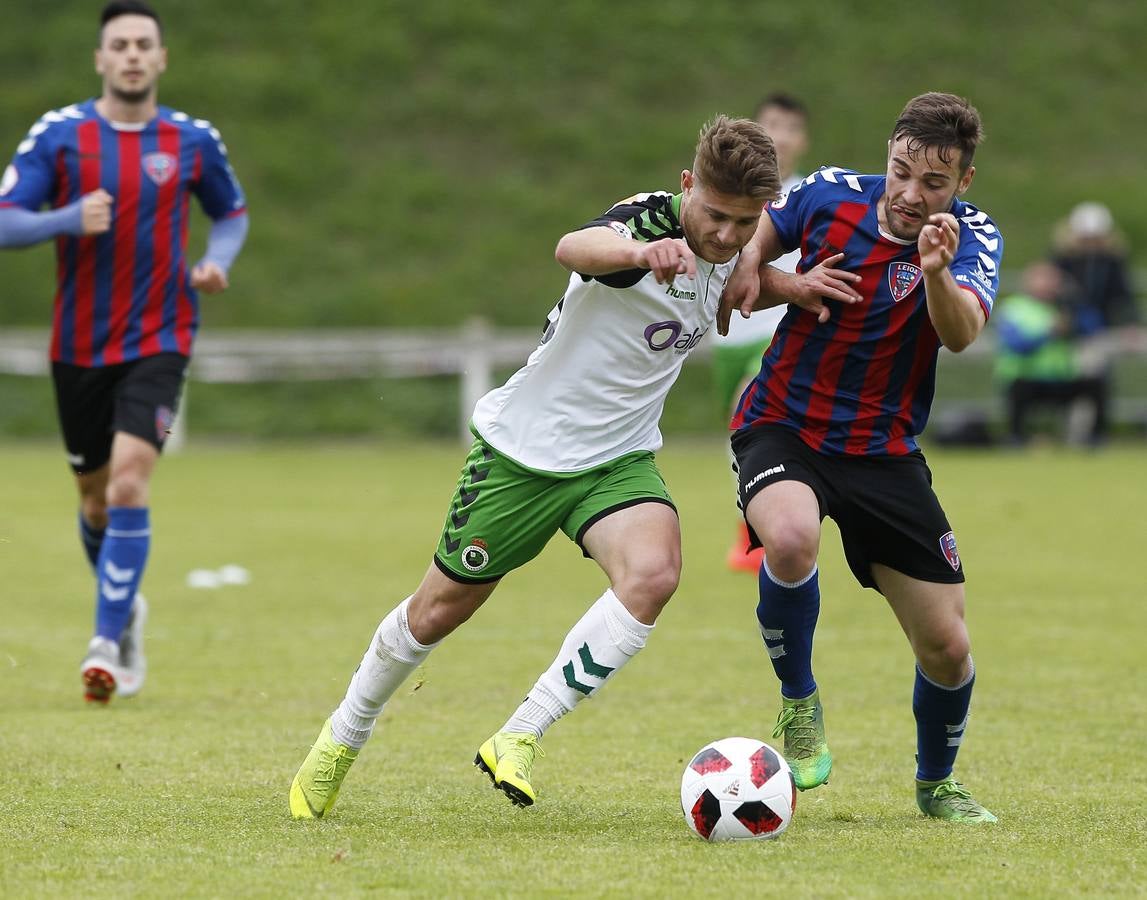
x=1093, y=257
x=1037, y=361
x=1097, y=293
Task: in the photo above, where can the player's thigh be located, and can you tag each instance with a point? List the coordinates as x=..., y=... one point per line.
x=85, y=406
x=926, y=610
x=500, y=517
x=889, y=514
x=932, y=617
x=641, y=542
x=147, y=397
x=782, y=491
x=628, y=482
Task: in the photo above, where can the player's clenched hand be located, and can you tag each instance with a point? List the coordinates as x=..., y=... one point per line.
x=938, y=242
x=209, y=278
x=825, y=282
x=741, y=291
x=667, y=259
x=96, y=212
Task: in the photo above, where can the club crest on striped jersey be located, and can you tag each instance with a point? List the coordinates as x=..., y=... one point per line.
x=903, y=278
x=948, y=548
x=160, y=167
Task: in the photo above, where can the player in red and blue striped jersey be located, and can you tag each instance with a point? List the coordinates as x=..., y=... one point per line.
x=893, y=267
x=118, y=174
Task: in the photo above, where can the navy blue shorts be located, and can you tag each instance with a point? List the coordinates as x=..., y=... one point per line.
x=884, y=506
x=139, y=397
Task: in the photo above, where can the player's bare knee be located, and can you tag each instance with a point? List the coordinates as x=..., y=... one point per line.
x=127, y=489
x=790, y=552
x=645, y=589
x=946, y=662
x=94, y=509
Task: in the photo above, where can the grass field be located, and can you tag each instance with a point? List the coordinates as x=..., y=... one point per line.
x=182, y=792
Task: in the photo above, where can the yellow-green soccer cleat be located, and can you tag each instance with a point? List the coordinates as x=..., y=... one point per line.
x=801, y=722
x=507, y=757
x=316, y=785
x=950, y=800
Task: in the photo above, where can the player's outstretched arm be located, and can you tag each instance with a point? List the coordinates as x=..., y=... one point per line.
x=601, y=250
x=90, y=215
x=744, y=286
x=809, y=290
x=956, y=314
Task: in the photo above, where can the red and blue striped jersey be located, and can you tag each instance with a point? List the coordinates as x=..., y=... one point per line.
x=862, y=382
x=126, y=293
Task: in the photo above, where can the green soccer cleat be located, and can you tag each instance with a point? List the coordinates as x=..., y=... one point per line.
x=316, y=785
x=950, y=800
x=507, y=757
x=801, y=722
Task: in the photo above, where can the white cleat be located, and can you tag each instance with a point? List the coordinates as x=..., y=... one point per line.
x=131, y=657
x=101, y=671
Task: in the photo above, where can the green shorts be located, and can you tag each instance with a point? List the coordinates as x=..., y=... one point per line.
x=733, y=365
x=503, y=514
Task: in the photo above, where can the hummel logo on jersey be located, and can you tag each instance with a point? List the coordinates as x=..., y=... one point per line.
x=902, y=279
x=775, y=470
x=672, y=291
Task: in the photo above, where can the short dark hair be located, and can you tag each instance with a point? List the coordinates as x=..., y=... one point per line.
x=737, y=157
x=943, y=122
x=782, y=100
x=118, y=8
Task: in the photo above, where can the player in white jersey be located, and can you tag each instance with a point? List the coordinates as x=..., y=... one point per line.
x=567, y=443
x=737, y=355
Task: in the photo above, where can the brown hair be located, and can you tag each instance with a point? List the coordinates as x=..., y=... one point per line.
x=940, y=122
x=737, y=157
x=781, y=100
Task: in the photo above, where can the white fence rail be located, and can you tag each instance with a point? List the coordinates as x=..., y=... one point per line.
x=472, y=352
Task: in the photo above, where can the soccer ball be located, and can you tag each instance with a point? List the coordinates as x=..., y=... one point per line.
x=737, y=789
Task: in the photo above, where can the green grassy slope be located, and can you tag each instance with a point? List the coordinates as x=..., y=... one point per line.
x=416, y=163
x=183, y=791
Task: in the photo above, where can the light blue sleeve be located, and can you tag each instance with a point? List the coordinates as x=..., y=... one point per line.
x=20, y=227
x=225, y=240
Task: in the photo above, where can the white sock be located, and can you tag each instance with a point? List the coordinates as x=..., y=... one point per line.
x=392, y=655
x=604, y=640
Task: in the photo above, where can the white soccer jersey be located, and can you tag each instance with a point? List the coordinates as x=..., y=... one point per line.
x=595, y=387
x=761, y=324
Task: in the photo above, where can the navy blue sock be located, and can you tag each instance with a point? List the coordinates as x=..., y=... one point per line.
x=120, y=568
x=787, y=614
x=941, y=717
x=92, y=538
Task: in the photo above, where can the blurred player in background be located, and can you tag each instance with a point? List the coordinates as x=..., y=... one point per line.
x=567, y=443
x=118, y=173
x=829, y=425
x=737, y=355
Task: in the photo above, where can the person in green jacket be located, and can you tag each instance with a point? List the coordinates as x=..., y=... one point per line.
x=1036, y=364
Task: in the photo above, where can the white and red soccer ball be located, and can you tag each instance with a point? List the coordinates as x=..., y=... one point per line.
x=738, y=789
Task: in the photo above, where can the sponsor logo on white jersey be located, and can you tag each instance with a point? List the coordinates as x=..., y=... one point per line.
x=663, y=335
